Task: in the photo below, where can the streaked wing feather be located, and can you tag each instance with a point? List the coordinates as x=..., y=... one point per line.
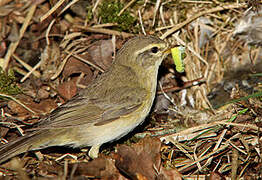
x=100, y=110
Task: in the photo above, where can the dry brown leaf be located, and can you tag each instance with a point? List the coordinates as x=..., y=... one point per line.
x=170, y=174
x=44, y=107
x=142, y=161
x=74, y=66
x=101, y=53
x=139, y=161
x=68, y=89
x=50, y=60
x=14, y=34
x=3, y=131
x=103, y=168
x=216, y=176
x=42, y=93
x=2, y=48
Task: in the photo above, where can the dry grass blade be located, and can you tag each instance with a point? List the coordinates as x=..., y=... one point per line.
x=222, y=148
x=48, y=31
x=18, y=102
x=158, y=2
x=251, y=126
x=13, y=45
x=87, y=62
x=127, y=6
x=209, y=11
x=27, y=66
x=31, y=71
x=106, y=31
x=76, y=45
x=3, y=2
x=52, y=10
x=141, y=22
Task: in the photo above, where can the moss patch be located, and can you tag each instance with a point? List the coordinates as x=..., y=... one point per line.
x=108, y=12
x=7, y=83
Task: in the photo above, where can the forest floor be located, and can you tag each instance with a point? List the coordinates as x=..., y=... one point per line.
x=205, y=122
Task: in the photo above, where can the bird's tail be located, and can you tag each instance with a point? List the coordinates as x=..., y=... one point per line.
x=18, y=146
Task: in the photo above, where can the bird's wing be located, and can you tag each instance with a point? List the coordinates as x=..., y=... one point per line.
x=99, y=110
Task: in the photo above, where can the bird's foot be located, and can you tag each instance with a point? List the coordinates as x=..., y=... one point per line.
x=93, y=152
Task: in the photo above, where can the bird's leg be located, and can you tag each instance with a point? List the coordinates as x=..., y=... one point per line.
x=93, y=152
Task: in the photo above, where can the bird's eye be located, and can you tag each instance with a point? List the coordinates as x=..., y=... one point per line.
x=154, y=50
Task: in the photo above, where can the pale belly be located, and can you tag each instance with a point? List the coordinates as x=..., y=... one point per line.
x=98, y=135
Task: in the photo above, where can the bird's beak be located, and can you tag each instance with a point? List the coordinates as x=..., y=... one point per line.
x=167, y=51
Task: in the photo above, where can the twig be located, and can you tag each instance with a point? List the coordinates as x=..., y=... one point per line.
x=52, y=10
x=27, y=66
x=187, y=84
x=48, y=31
x=141, y=22
x=216, y=9
x=14, y=45
x=106, y=31
x=61, y=67
x=158, y=2
x=127, y=6
x=104, y=25
x=3, y=2
x=205, y=157
x=20, y=130
x=55, y=7
x=85, y=61
x=68, y=6
x=30, y=72
x=251, y=126
x=95, y=6
x=18, y=102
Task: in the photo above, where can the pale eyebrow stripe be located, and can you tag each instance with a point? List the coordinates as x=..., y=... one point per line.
x=149, y=47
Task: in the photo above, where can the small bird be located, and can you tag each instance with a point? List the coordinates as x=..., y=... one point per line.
x=108, y=109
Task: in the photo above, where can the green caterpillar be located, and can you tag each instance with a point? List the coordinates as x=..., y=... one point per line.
x=178, y=55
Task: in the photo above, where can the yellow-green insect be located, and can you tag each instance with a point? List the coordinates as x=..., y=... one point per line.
x=178, y=55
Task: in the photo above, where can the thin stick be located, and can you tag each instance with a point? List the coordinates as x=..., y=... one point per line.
x=85, y=61
x=141, y=22
x=127, y=6
x=27, y=66
x=52, y=10
x=106, y=31
x=3, y=2
x=158, y=2
x=14, y=45
x=48, y=31
x=95, y=6
x=216, y=9
x=68, y=6
x=30, y=72
x=18, y=102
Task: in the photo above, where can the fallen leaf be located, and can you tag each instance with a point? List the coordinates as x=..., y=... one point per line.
x=169, y=174
x=68, y=89
x=43, y=107
x=101, y=53
x=102, y=168
x=50, y=60
x=74, y=66
x=142, y=161
x=216, y=176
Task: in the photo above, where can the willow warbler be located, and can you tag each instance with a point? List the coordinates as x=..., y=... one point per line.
x=109, y=108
